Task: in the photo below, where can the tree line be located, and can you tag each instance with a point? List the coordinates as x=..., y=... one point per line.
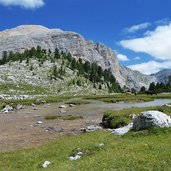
x=155, y=88
x=91, y=71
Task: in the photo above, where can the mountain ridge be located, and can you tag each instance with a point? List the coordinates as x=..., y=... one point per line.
x=162, y=76
x=27, y=36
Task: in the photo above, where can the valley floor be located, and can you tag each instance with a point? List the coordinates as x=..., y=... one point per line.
x=27, y=139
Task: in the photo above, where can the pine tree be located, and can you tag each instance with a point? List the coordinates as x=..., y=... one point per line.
x=56, y=54
x=4, y=58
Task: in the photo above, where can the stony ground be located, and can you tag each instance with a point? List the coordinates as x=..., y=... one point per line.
x=19, y=129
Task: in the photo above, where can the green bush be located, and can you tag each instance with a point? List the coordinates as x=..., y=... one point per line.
x=115, y=121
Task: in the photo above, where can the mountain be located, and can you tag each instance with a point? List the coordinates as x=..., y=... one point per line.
x=25, y=37
x=163, y=75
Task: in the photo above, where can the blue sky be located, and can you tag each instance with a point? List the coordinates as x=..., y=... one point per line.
x=138, y=30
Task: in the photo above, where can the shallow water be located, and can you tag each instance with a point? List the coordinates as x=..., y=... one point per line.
x=98, y=107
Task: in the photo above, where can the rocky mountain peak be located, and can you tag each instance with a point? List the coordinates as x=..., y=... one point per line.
x=163, y=75
x=28, y=36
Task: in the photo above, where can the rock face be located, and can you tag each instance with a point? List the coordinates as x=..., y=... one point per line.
x=26, y=37
x=163, y=75
x=149, y=119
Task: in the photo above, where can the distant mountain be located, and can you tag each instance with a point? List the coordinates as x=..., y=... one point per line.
x=162, y=76
x=26, y=37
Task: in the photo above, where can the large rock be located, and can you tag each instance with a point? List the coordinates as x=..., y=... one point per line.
x=150, y=119
x=123, y=130
x=26, y=37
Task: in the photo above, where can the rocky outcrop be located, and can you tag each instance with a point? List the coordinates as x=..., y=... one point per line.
x=150, y=119
x=26, y=37
x=163, y=76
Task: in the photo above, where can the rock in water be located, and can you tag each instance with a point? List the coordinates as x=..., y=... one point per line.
x=150, y=119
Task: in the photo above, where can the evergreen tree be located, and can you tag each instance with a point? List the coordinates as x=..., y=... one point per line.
x=57, y=53
x=152, y=87
x=87, y=67
x=73, y=64
x=4, y=58
x=38, y=52
x=143, y=89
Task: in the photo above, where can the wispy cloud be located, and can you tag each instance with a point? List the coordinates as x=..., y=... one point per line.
x=122, y=57
x=28, y=4
x=163, y=21
x=155, y=43
x=137, y=58
x=136, y=28
x=151, y=67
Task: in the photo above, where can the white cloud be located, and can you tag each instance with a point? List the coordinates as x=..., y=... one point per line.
x=156, y=43
x=163, y=21
x=122, y=57
x=151, y=66
x=136, y=28
x=137, y=58
x=29, y=4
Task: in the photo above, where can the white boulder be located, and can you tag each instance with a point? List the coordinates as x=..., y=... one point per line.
x=123, y=130
x=149, y=119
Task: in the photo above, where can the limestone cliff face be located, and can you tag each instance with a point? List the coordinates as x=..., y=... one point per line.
x=26, y=37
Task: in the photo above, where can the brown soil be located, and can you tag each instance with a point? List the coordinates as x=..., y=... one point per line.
x=18, y=129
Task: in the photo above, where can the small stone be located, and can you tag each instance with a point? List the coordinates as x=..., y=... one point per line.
x=6, y=109
x=39, y=122
x=80, y=153
x=41, y=101
x=167, y=105
x=33, y=105
x=93, y=128
x=101, y=144
x=74, y=158
x=19, y=107
x=46, y=164
x=37, y=116
x=62, y=106
x=72, y=105
x=62, y=111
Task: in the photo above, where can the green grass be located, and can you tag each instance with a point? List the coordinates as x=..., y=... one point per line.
x=145, y=150
x=48, y=99
x=122, y=98
x=26, y=88
x=115, y=119
x=126, y=99
x=78, y=102
x=69, y=117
